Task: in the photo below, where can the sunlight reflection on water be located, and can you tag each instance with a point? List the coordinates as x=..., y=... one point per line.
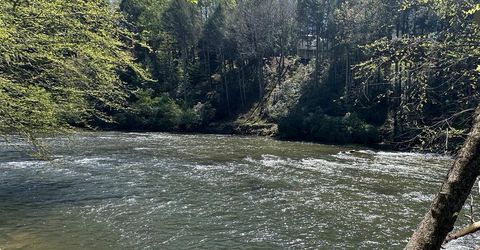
x=167, y=191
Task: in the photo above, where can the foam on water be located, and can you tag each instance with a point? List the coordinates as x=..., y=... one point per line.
x=167, y=191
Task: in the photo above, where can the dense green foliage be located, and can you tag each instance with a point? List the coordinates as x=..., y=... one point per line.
x=392, y=70
x=60, y=64
x=431, y=71
x=398, y=71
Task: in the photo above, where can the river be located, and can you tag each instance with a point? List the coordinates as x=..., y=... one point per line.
x=109, y=190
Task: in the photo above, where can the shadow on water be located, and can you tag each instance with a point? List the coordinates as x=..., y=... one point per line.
x=38, y=204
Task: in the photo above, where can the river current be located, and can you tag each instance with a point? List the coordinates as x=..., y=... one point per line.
x=109, y=190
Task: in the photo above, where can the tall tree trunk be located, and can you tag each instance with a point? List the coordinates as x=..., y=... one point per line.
x=400, y=98
x=260, y=78
x=395, y=102
x=209, y=68
x=317, y=52
x=347, y=76
x=223, y=72
x=243, y=87
x=239, y=82
x=441, y=217
x=185, y=75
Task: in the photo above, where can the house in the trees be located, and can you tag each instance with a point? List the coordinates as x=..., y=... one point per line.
x=307, y=47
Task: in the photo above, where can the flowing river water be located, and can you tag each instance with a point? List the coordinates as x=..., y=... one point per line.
x=110, y=190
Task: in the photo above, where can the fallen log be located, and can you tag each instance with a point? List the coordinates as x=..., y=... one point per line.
x=472, y=228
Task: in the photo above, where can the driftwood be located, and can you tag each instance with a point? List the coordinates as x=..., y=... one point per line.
x=472, y=228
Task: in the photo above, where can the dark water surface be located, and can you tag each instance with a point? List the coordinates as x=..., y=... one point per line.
x=166, y=191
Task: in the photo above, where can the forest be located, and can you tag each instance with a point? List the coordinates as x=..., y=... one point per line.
x=403, y=74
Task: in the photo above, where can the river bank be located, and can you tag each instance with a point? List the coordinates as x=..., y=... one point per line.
x=268, y=129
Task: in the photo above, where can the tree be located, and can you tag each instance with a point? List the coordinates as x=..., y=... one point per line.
x=425, y=74
x=60, y=64
x=441, y=217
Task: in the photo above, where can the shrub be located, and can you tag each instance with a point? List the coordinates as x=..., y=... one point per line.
x=149, y=112
x=320, y=127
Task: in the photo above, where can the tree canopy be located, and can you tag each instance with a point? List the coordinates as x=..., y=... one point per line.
x=61, y=63
x=401, y=72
